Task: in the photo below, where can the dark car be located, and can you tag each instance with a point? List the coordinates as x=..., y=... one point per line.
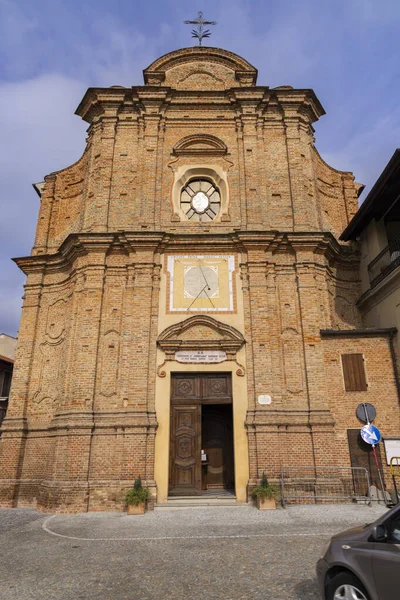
x=363, y=563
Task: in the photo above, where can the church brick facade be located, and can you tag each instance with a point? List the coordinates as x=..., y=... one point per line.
x=115, y=307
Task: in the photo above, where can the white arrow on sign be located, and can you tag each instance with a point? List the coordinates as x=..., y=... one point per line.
x=370, y=434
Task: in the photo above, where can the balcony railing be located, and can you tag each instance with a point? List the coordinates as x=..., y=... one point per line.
x=385, y=262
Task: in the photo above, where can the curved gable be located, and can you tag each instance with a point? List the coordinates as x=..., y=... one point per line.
x=201, y=67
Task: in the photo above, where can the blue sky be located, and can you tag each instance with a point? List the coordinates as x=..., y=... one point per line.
x=52, y=50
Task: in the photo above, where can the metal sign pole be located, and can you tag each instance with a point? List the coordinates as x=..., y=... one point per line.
x=371, y=435
x=366, y=413
x=380, y=475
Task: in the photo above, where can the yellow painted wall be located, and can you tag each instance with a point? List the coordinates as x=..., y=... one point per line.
x=380, y=305
x=239, y=392
x=371, y=242
x=235, y=319
x=163, y=392
x=384, y=308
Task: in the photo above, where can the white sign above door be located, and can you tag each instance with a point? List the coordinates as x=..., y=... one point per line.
x=200, y=356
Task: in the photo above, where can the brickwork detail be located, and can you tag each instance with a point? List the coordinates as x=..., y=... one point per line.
x=82, y=419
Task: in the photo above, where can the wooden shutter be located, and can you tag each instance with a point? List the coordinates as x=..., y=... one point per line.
x=354, y=373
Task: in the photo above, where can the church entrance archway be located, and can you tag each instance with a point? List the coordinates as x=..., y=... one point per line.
x=201, y=428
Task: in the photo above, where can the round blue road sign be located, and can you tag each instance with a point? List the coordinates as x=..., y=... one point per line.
x=370, y=434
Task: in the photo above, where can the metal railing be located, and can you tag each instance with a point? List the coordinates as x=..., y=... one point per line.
x=385, y=262
x=325, y=484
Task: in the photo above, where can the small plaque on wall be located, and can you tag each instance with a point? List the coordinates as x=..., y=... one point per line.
x=200, y=356
x=264, y=399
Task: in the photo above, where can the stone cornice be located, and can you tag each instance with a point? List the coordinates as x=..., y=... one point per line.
x=101, y=101
x=78, y=244
x=297, y=101
x=322, y=243
x=126, y=418
x=275, y=417
x=294, y=104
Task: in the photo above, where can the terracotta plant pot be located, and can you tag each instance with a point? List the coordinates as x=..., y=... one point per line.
x=266, y=503
x=136, y=509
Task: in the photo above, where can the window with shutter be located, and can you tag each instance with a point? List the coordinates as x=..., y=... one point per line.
x=354, y=373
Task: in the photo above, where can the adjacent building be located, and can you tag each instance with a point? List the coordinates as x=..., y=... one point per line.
x=375, y=229
x=7, y=354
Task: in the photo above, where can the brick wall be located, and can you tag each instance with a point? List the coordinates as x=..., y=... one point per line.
x=81, y=422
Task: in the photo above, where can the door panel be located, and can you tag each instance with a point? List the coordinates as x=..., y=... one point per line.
x=185, y=467
x=216, y=388
x=185, y=388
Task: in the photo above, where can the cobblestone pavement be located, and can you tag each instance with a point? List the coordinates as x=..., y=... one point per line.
x=236, y=553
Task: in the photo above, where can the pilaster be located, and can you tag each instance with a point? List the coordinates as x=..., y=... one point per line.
x=45, y=214
x=304, y=211
x=311, y=323
x=15, y=426
x=124, y=212
x=100, y=175
x=274, y=162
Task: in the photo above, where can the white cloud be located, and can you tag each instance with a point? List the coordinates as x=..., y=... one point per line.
x=40, y=134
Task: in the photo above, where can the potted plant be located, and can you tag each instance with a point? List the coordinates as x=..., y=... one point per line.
x=136, y=497
x=265, y=494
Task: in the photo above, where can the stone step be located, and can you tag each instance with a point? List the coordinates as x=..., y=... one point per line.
x=206, y=496
x=199, y=502
x=167, y=506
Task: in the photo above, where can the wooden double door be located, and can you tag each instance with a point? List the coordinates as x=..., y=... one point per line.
x=201, y=419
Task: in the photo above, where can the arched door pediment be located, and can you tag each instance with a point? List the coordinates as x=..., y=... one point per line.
x=200, y=333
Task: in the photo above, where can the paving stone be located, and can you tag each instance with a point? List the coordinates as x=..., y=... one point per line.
x=188, y=554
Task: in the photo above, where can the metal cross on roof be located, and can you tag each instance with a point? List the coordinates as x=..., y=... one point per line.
x=200, y=33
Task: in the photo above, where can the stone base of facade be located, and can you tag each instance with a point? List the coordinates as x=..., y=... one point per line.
x=68, y=496
x=73, y=466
